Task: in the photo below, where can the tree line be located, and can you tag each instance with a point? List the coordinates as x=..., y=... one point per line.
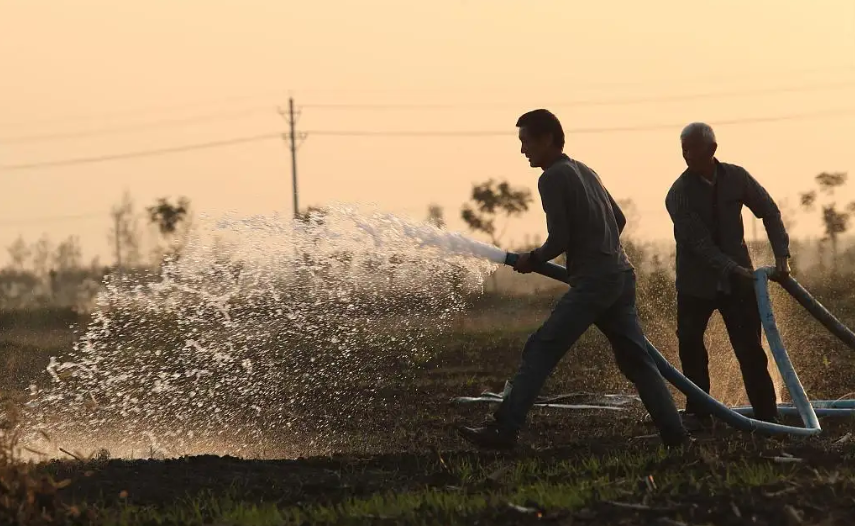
x=41, y=272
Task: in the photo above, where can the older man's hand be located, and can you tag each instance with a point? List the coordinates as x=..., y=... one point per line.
x=782, y=268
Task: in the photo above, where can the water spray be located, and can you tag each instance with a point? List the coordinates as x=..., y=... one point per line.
x=268, y=337
x=738, y=416
x=264, y=332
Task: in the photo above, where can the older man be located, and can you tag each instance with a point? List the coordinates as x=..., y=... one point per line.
x=714, y=269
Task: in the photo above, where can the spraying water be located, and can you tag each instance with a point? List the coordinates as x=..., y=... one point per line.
x=266, y=336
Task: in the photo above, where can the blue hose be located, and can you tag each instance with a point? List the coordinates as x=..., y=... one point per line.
x=736, y=416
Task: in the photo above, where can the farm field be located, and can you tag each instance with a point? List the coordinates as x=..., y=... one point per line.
x=398, y=459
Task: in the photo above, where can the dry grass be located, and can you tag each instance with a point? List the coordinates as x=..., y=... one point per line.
x=28, y=497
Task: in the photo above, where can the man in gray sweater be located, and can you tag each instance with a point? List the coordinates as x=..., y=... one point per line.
x=714, y=269
x=585, y=223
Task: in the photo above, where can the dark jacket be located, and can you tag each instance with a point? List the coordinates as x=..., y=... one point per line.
x=710, y=246
x=582, y=219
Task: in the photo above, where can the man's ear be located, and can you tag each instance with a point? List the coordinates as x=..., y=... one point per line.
x=714, y=148
x=546, y=140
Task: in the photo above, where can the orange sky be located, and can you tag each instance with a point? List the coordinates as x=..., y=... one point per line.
x=90, y=66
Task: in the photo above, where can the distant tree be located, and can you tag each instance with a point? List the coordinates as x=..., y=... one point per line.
x=835, y=220
x=173, y=222
x=42, y=251
x=67, y=255
x=167, y=216
x=435, y=216
x=124, y=234
x=20, y=254
x=489, y=202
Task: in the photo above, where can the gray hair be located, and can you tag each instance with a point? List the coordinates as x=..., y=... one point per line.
x=702, y=129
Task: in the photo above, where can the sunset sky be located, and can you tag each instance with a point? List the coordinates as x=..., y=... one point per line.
x=86, y=79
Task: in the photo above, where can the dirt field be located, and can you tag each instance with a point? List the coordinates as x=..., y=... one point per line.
x=400, y=460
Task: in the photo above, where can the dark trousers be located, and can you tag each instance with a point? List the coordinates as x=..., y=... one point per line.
x=609, y=303
x=742, y=319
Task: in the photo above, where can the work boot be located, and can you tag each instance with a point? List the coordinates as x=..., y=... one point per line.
x=490, y=436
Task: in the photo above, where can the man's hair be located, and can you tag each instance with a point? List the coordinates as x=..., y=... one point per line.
x=542, y=122
x=702, y=129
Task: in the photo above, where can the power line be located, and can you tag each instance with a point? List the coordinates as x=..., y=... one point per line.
x=147, y=110
x=590, y=102
x=131, y=127
x=415, y=133
x=143, y=153
x=421, y=106
x=276, y=93
x=581, y=131
x=52, y=219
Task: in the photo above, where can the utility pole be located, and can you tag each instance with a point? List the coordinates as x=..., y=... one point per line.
x=117, y=216
x=292, y=137
x=292, y=122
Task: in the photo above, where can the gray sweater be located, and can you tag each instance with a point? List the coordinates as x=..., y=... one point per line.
x=582, y=220
x=708, y=251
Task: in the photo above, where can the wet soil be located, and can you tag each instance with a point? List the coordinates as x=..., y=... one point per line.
x=406, y=441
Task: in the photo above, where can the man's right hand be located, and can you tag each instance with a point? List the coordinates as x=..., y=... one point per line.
x=525, y=263
x=743, y=272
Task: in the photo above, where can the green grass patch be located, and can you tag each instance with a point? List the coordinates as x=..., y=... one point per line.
x=489, y=488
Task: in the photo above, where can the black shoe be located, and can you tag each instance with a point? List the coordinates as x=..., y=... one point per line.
x=489, y=437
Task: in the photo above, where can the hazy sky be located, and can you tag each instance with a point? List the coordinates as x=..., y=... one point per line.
x=121, y=76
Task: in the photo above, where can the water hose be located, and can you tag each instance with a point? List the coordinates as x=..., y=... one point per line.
x=737, y=417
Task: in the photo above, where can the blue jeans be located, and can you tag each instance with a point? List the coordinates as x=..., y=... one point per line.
x=609, y=303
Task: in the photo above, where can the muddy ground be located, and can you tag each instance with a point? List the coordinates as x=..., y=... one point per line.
x=405, y=443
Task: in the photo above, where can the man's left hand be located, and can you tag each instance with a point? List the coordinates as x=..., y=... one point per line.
x=782, y=268
x=524, y=264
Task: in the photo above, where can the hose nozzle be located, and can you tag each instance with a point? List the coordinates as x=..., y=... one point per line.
x=548, y=269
